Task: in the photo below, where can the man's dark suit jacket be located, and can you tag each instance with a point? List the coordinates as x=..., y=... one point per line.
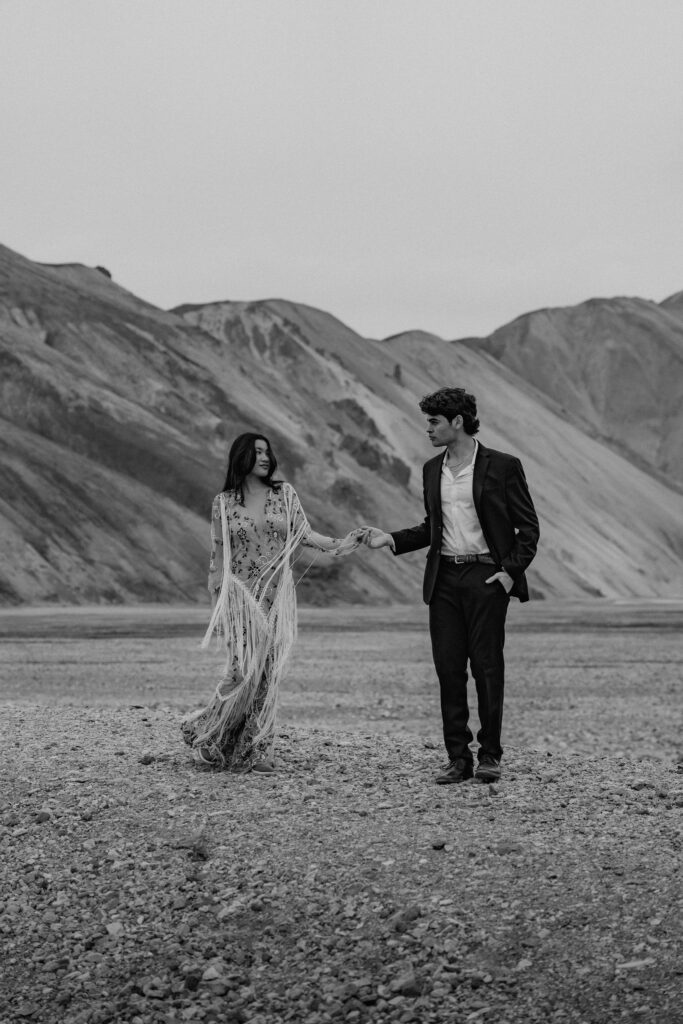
x=505, y=510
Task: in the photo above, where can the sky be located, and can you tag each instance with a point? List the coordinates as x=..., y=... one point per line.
x=446, y=165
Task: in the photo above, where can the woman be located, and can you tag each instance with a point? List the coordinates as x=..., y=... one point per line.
x=256, y=523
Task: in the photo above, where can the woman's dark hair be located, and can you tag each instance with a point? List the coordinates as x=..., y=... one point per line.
x=242, y=459
x=452, y=402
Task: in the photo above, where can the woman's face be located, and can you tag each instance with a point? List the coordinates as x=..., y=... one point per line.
x=262, y=464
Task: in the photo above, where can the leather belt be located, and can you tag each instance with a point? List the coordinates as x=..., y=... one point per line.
x=463, y=559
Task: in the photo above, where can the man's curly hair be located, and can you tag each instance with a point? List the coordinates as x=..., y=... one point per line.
x=452, y=402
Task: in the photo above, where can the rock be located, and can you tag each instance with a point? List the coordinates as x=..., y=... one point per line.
x=115, y=929
x=635, y=965
x=402, y=919
x=147, y=759
x=407, y=984
x=508, y=847
x=199, y=850
x=26, y=1010
x=438, y=844
x=192, y=979
x=219, y=987
x=211, y=974
x=154, y=988
x=41, y=817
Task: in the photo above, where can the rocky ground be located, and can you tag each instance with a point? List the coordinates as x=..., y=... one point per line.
x=348, y=887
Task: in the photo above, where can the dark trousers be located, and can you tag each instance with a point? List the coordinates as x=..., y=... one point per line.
x=467, y=623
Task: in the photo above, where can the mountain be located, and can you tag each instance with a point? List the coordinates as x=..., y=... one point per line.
x=116, y=418
x=613, y=366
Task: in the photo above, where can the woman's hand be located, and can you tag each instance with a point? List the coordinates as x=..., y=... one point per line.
x=349, y=543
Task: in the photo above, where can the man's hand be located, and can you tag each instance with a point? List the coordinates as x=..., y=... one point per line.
x=376, y=538
x=506, y=580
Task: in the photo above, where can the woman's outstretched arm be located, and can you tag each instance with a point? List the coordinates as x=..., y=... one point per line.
x=310, y=538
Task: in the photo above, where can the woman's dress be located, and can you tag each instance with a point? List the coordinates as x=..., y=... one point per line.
x=255, y=621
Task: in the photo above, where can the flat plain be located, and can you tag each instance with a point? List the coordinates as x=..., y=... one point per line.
x=593, y=678
x=138, y=889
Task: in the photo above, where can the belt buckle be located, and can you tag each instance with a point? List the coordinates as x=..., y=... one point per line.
x=460, y=559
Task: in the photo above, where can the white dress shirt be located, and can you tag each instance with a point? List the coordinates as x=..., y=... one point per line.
x=462, y=532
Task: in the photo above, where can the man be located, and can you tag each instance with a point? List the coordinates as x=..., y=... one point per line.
x=482, y=530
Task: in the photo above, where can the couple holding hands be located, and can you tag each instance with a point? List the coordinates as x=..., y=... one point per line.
x=481, y=530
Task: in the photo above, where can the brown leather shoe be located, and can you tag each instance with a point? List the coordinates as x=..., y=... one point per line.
x=457, y=770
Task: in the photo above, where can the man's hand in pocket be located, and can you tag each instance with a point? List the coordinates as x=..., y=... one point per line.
x=506, y=580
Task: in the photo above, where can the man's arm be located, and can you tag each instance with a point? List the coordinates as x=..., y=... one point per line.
x=414, y=537
x=402, y=541
x=524, y=520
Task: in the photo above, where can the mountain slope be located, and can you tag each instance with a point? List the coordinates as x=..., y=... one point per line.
x=614, y=366
x=116, y=418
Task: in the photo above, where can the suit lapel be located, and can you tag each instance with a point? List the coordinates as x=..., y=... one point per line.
x=481, y=465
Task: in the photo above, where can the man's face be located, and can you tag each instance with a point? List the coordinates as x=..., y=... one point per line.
x=440, y=432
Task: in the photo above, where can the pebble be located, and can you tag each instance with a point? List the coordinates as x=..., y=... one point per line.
x=27, y=1009
x=407, y=984
x=211, y=973
x=402, y=919
x=381, y=917
x=507, y=847
x=635, y=965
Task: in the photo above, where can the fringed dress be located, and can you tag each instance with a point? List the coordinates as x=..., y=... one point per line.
x=255, y=620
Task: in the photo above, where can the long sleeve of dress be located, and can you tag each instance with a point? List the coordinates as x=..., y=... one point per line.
x=216, y=555
x=310, y=538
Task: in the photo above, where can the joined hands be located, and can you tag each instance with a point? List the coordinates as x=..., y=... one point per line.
x=370, y=536
x=373, y=537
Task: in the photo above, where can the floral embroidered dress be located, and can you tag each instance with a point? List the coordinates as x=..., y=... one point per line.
x=255, y=620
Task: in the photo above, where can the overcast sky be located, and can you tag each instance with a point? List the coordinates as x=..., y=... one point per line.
x=436, y=164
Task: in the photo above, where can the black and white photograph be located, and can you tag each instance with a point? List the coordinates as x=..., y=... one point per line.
x=341, y=512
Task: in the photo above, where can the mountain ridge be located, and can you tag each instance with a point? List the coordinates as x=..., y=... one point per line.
x=117, y=416
x=635, y=342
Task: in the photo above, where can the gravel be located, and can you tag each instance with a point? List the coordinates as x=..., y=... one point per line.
x=348, y=887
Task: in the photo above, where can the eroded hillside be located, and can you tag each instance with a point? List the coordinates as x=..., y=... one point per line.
x=117, y=416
